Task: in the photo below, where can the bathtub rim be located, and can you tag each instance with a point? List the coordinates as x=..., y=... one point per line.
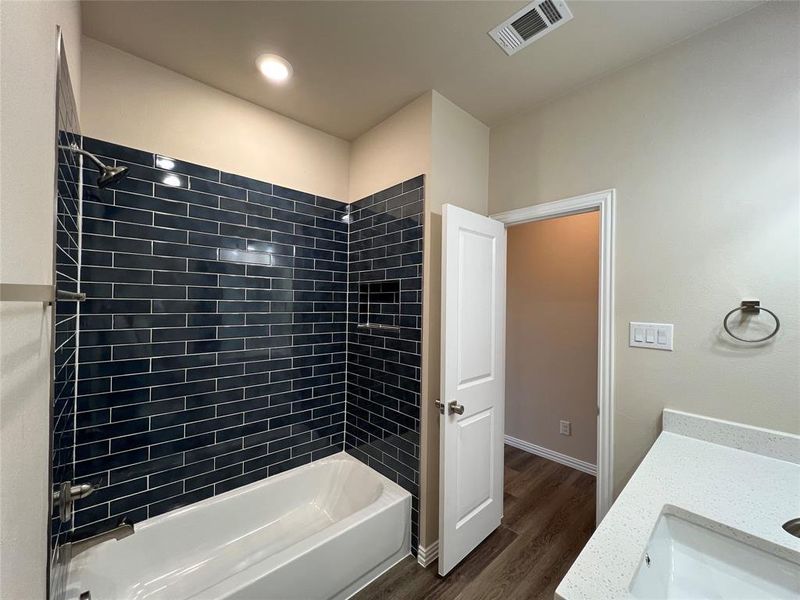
x=390, y=488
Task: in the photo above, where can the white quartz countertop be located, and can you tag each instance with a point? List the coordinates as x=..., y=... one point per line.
x=747, y=490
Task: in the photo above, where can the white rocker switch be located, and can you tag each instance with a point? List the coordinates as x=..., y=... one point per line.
x=656, y=336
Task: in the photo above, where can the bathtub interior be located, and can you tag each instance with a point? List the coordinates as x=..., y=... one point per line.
x=179, y=554
x=317, y=495
x=349, y=487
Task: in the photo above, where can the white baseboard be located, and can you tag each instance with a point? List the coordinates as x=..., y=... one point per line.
x=426, y=556
x=563, y=459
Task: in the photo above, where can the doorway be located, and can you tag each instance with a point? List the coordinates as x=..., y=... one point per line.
x=602, y=204
x=551, y=339
x=473, y=346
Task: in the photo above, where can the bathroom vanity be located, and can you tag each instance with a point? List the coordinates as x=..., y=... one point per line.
x=702, y=517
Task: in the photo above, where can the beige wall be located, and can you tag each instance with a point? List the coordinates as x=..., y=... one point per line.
x=459, y=175
x=434, y=137
x=701, y=144
x=395, y=150
x=459, y=159
x=551, y=333
x=134, y=102
x=27, y=126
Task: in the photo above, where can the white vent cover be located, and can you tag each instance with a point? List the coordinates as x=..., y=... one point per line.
x=529, y=24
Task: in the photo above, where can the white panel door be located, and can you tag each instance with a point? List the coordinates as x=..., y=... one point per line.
x=473, y=382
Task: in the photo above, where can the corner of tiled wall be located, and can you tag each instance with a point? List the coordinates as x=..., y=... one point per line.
x=384, y=361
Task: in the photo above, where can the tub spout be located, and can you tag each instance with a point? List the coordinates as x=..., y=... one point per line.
x=122, y=530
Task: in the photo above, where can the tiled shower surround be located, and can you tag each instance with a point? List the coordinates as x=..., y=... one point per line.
x=214, y=343
x=383, y=364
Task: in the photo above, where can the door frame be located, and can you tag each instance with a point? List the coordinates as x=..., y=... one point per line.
x=602, y=202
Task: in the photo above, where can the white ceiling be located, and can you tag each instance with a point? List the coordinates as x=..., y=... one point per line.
x=355, y=63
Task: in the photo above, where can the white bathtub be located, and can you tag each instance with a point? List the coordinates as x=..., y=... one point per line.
x=323, y=530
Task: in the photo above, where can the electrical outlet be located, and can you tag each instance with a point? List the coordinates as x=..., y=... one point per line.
x=565, y=428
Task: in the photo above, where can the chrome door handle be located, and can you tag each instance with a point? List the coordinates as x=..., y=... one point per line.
x=439, y=406
x=455, y=407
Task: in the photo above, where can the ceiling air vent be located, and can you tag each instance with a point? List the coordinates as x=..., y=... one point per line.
x=529, y=24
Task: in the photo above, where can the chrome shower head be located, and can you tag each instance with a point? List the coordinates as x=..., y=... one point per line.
x=107, y=175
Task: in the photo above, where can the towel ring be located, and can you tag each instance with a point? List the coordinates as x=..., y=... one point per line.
x=751, y=307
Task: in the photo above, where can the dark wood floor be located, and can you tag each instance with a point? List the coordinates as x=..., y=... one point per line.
x=548, y=517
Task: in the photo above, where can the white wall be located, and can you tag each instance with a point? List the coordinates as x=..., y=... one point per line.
x=551, y=333
x=136, y=103
x=701, y=143
x=27, y=123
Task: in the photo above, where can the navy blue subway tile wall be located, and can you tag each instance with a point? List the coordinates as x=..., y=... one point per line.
x=385, y=333
x=213, y=345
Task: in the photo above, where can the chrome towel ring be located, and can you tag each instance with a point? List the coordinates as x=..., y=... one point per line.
x=752, y=307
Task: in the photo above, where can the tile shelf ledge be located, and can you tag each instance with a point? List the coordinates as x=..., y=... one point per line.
x=378, y=326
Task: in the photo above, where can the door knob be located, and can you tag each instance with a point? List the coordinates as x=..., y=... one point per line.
x=439, y=405
x=455, y=407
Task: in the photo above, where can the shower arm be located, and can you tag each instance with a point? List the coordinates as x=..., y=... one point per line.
x=74, y=148
x=107, y=174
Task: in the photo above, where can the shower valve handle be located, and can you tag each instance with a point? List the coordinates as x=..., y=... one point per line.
x=66, y=495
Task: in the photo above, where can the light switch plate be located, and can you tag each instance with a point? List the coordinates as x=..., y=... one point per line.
x=657, y=336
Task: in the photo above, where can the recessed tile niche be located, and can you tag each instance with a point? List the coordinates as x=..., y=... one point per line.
x=379, y=303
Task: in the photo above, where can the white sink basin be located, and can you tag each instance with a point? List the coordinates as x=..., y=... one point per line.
x=687, y=559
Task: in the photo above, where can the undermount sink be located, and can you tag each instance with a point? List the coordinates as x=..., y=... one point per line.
x=793, y=527
x=685, y=558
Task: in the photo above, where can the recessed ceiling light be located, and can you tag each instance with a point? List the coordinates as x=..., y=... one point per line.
x=275, y=68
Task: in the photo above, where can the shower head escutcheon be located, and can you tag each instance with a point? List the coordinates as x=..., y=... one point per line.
x=107, y=175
